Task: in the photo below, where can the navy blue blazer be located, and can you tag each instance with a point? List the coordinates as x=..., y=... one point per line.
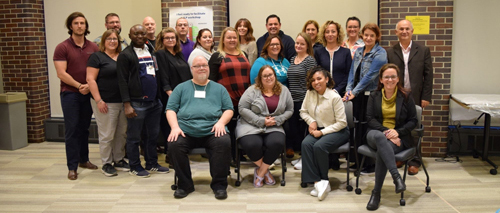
x=341, y=65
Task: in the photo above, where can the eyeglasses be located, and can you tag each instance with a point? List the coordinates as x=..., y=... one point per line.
x=268, y=76
x=112, y=39
x=169, y=38
x=387, y=77
x=201, y=66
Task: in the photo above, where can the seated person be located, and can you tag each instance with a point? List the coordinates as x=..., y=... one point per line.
x=263, y=108
x=323, y=110
x=198, y=111
x=391, y=116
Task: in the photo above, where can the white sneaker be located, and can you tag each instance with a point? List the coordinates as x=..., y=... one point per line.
x=298, y=165
x=295, y=161
x=322, y=187
x=271, y=166
x=314, y=192
x=277, y=161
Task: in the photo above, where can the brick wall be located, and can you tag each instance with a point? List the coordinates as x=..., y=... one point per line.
x=219, y=7
x=24, y=59
x=435, y=116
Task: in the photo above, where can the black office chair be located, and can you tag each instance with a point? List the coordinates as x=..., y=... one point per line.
x=237, y=169
x=347, y=146
x=404, y=156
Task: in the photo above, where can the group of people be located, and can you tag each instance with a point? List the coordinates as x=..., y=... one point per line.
x=264, y=94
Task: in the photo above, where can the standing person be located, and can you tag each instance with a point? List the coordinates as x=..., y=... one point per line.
x=391, y=116
x=70, y=61
x=182, y=28
x=150, y=25
x=297, y=73
x=311, y=27
x=272, y=55
x=230, y=67
x=354, y=39
x=247, y=40
x=137, y=81
x=273, y=26
x=415, y=62
x=112, y=21
x=107, y=104
x=172, y=70
x=198, y=111
x=363, y=78
x=204, y=45
x=323, y=110
x=332, y=57
x=264, y=108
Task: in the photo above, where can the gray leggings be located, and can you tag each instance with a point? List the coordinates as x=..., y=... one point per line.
x=385, y=156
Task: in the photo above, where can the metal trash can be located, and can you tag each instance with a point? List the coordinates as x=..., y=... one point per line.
x=13, y=128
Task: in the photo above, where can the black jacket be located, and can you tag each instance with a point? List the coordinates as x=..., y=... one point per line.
x=129, y=81
x=406, y=115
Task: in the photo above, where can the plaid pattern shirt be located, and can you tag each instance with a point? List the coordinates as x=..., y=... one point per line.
x=234, y=73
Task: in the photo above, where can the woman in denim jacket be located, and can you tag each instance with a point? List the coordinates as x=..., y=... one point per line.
x=363, y=76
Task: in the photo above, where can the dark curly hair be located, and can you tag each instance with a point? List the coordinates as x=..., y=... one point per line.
x=330, y=84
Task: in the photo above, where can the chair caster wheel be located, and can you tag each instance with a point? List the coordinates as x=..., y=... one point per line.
x=237, y=183
x=349, y=188
x=493, y=171
x=303, y=185
x=173, y=187
x=358, y=191
x=402, y=202
x=283, y=182
x=427, y=189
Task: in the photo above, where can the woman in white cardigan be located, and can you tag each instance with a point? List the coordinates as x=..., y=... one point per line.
x=323, y=110
x=263, y=108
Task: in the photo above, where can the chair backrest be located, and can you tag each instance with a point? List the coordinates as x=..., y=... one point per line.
x=349, y=114
x=419, y=116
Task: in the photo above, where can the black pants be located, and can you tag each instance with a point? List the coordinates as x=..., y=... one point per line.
x=295, y=128
x=267, y=146
x=218, y=150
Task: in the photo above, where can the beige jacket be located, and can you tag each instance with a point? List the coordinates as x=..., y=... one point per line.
x=327, y=110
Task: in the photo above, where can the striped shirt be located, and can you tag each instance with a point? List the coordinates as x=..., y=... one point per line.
x=297, y=74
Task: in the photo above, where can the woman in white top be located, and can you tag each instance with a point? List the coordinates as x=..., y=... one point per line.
x=204, y=46
x=247, y=40
x=323, y=110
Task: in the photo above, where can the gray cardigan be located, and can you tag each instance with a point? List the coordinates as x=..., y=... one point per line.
x=253, y=111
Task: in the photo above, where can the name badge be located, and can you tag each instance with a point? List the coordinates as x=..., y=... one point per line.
x=199, y=94
x=150, y=70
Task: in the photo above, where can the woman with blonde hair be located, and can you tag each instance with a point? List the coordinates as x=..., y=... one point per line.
x=311, y=27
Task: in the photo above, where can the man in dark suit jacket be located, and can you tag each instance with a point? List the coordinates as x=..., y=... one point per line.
x=415, y=63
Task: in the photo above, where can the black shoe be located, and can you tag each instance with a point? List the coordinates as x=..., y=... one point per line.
x=181, y=193
x=353, y=167
x=368, y=170
x=220, y=194
x=399, y=183
x=374, y=201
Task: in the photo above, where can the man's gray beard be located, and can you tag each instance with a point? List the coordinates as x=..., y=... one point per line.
x=202, y=77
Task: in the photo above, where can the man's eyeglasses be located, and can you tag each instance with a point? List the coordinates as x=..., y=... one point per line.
x=201, y=66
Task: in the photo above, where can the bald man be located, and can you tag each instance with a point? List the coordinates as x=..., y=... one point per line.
x=150, y=25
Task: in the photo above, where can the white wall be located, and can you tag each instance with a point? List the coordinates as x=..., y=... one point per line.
x=294, y=13
x=475, y=68
x=56, y=11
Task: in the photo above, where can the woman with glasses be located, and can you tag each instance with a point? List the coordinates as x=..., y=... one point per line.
x=263, y=109
x=323, y=110
x=391, y=117
x=297, y=73
x=272, y=55
x=172, y=70
x=354, y=39
x=107, y=105
x=247, y=40
x=204, y=46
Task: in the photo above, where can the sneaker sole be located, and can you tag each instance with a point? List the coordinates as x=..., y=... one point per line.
x=108, y=174
x=122, y=169
x=130, y=173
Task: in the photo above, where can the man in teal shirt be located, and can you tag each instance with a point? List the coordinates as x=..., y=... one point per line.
x=198, y=111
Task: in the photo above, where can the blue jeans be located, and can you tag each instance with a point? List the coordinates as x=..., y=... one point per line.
x=148, y=118
x=77, y=115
